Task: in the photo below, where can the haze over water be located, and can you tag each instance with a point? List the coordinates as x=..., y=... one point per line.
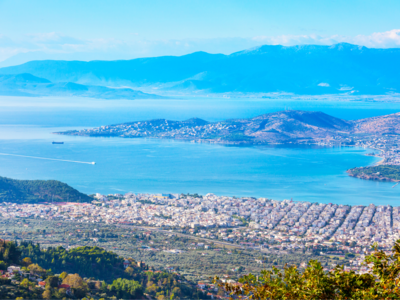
x=161, y=166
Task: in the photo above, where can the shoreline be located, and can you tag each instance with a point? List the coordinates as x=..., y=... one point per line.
x=246, y=144
x=379, y=162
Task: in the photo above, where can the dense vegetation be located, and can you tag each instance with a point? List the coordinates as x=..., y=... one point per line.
x=9, y=253
x=381, y=172
x=74, y=266
x=32, y=191
x=381, y=282
x=86, y=261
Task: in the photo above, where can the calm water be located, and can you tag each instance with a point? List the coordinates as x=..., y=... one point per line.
x=146, y=165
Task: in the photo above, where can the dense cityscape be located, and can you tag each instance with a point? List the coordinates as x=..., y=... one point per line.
x=263, y=224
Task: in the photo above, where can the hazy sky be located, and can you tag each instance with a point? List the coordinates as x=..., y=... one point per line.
x=86, y=29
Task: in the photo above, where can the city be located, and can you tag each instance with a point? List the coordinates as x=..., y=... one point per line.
x=262, y=224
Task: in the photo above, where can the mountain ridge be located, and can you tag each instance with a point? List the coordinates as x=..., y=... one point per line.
x=293, y=126
x=26, y=84
x=306, y=69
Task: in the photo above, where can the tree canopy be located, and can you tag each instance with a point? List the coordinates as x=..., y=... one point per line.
x=380, y=282
x=86, y=261
x=33, y=191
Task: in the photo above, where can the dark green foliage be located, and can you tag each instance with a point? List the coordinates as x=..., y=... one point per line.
x=9, y=253
x=4, y=281
x=161, y=283
x=380, y=282
x=86, y=261
x=32, y=191
x=377, y=172
x=93, y=262
x=126, y=289
x=52, y=281
x=8, y=291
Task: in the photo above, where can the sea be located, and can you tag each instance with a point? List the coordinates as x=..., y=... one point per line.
x=301, y=173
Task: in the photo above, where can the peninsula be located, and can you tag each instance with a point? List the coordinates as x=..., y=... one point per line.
x=283, y=127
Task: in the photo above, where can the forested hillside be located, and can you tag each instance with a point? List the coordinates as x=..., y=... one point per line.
x=109, y=276
x=57, y=273
x=381, y=172
x=32, y=191
x=86, y=261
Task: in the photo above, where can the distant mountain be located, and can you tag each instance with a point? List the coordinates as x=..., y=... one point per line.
x=310, y=69
x=33, y=191
x=279, y=127
x=26, y=84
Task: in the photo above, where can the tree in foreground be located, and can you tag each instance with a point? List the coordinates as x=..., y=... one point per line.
x=381, y=282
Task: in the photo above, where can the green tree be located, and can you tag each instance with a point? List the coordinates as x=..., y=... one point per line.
x=46, y=294
x=26, y=261
x=52, y=281
x=382, y=282
x=63, y=275
x=3, y=265
x=125, y=288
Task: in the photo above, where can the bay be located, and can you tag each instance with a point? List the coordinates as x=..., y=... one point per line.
x=315, y=174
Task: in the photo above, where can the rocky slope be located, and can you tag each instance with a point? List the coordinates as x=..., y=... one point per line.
x=279, y=127
x=389, y=124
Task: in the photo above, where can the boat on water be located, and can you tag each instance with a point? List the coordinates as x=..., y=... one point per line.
x=58, y=143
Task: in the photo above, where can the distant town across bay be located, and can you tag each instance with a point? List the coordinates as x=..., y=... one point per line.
x=284, y=127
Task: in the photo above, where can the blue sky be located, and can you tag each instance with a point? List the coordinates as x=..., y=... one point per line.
x=119, y=29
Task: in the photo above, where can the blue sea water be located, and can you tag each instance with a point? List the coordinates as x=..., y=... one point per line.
x=314, y=174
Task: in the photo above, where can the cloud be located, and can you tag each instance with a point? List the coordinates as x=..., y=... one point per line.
x=58, y=46
x=387, y=39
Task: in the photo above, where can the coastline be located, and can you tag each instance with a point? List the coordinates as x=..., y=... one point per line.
x=377, y=176
x=379, y=162
x=243, y=143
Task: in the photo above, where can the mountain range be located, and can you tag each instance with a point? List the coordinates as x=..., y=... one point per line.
x=26, y=84
x=293, y=126
x=308, y=69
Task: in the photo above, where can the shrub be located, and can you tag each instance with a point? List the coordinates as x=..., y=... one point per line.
x=381, y=282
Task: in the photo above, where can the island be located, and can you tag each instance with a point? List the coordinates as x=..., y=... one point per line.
x=283, y=127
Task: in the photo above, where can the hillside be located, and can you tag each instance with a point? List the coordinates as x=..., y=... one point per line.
x=389, y=124
x=279, y=127
x=32, y=191
x=309, y=69
x=26, y=84
x=294, y=126
x=57, y=273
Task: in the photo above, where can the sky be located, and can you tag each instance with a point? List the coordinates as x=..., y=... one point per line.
x=127, y=29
